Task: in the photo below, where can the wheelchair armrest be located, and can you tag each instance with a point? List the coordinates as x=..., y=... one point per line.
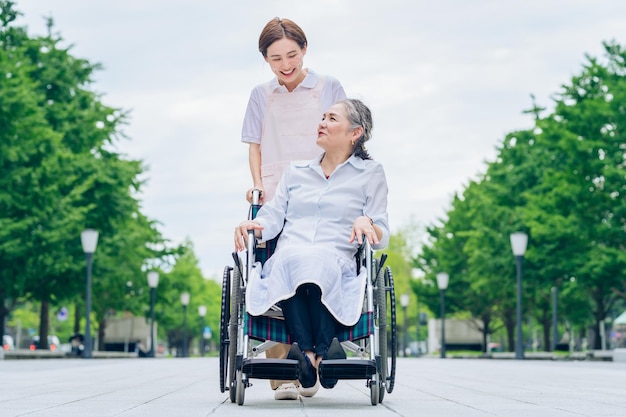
x=361, y=253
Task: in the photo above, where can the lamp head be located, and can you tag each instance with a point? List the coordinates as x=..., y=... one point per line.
x=519, y=241
x=184, y=298
x=442, y=280
x=89, y=240
x=202, y=311
x=404, y=300
x=153, y=279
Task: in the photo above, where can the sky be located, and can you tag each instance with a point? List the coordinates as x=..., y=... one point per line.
x=445, y=80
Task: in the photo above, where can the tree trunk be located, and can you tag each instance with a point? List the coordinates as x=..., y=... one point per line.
x=44, y=322
x=102, y=325
x=600, y=312
x=486, y=330
x=547, y=339
x=3, y=311
x=485, y=337
x=76, y=318
x=546, y=324
x=509, y=324
x=597, y=339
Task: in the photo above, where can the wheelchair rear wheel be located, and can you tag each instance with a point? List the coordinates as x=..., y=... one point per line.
x=380, y=305
x=233, y=331
x=224, y=319
x=390, y=377
x=385, y=302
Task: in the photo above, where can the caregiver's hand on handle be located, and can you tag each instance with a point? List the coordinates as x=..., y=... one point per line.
x=250, y=194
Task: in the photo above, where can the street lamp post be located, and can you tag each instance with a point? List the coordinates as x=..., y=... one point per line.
x=555, y=321
x=89, y=242
x=417, y=274
x=418, y=352
x=404, y=302
x=184, y=299
x=202, y=313
x=519, y=241
x=153, y=282
x=442, y=283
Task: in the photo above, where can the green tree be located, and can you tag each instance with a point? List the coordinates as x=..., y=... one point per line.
x=464, y=248
x=63, y=174
x=579, y=209
x=563, y=182
x=34, y=215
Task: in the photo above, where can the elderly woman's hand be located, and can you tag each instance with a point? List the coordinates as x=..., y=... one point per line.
x=364, y=226
x=241, y=233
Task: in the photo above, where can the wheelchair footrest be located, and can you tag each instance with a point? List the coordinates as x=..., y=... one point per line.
x=281, y=369
x=347, y=368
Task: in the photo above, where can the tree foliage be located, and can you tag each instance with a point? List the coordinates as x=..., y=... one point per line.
x=563, y=182
x=61, y=173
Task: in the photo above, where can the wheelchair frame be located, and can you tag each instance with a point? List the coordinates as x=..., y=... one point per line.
x=373, y=355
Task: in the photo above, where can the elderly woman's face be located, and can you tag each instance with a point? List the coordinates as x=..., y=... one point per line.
x=334, y=130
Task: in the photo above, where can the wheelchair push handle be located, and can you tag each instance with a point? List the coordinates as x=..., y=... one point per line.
x=256, y=196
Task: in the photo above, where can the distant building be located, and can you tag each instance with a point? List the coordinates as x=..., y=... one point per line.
x=124, y=334
x=460, y=335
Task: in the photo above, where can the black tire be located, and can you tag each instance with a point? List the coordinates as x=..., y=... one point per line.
x=233, y=331
x=224, y=319
x=393, y=352
x=380, y=305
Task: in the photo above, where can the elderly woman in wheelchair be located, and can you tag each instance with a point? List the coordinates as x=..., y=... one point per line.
x=323, y=210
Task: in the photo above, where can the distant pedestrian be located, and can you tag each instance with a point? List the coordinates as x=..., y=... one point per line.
x=140, y=349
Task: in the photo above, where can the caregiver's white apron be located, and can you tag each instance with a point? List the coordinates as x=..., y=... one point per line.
x=289, y=132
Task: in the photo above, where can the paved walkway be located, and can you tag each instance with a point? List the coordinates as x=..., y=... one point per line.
x=424, y=387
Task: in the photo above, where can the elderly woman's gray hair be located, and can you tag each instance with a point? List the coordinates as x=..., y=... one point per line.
x=359, y=115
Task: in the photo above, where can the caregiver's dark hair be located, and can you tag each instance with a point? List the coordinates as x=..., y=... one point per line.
x=277, y=29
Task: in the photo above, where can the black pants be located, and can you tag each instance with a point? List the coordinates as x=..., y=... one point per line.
x=308, y=321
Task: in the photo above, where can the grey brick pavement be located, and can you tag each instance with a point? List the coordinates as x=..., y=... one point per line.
x=424, y=387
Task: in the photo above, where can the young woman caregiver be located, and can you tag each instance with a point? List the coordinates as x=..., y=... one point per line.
x=280, y=126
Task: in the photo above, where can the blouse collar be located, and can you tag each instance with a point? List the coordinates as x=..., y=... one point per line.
x=315, y=164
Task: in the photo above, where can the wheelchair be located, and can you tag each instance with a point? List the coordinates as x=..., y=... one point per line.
x=371, y=344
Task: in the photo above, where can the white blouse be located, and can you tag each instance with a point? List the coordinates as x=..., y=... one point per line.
x=314, y=217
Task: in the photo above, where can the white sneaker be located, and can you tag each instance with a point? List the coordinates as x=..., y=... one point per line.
x=286, y=391
x=309, y=392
